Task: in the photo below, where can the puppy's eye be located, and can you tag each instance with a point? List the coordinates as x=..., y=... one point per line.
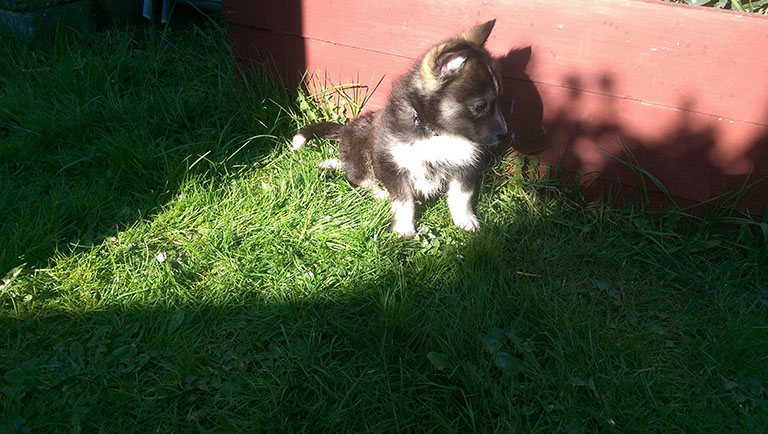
x=479, y=107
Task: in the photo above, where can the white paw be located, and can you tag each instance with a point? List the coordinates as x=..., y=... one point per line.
x=379, y=193
x=331, y=164
x=468, y=222
x=404, y=229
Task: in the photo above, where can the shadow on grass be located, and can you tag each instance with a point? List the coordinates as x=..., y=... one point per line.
x=550, y=323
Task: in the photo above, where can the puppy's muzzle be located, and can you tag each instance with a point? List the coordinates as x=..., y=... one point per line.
x=502, y=132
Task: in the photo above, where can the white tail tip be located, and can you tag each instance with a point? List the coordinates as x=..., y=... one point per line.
x=298, y=142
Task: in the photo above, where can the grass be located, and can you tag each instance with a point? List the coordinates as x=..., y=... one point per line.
x=184, y=271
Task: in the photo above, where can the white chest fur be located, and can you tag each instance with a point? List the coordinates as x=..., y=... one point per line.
x=428, y=162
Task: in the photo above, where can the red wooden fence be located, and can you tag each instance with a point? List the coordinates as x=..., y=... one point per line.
x=684, y=88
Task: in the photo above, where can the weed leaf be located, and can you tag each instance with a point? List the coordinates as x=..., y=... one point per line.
x=439, y=360
x=175, y=321
x=491, y=344
x=507, y=363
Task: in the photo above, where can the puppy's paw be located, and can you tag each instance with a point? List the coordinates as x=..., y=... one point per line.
x=331, y=164
x=379, y=193
x=404, y=229
x=468, y=222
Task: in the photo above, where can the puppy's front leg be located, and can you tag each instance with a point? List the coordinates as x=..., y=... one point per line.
x=402, y=222
x=460, y=204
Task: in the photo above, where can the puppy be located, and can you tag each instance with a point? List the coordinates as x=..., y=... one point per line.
x=439, y=121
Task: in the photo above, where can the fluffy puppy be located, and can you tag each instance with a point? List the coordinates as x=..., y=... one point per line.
x=441, y=117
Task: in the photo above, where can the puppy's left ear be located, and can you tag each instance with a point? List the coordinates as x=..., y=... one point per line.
x=478, y=34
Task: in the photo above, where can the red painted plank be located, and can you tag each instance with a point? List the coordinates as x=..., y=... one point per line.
x=322, y=60
x=656, y=52
x=695, y=156
x=688, y=114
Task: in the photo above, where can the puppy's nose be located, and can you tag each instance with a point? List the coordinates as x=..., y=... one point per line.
x=502, y=132
x=507, y=135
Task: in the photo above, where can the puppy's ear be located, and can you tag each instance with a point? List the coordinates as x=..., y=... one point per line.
x=478, y=34
x=440, y=62
x=449, y=62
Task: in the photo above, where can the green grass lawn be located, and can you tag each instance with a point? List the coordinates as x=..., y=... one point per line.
x=171, y=266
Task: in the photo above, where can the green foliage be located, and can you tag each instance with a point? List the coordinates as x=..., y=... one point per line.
x=333, y=102
x=757, y=6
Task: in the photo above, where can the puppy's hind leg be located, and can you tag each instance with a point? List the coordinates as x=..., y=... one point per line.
x=334, y=164
x=375, y=189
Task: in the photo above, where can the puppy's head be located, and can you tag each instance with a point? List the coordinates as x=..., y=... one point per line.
x=460, y=85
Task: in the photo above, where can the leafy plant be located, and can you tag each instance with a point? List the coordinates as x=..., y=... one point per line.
x=758, y=6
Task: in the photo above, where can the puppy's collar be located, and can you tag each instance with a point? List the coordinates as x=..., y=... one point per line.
x=420, y=125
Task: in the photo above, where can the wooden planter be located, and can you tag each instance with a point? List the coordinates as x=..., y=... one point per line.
x=683, y=89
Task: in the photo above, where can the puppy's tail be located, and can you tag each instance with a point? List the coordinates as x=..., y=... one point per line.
x=328, y=130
